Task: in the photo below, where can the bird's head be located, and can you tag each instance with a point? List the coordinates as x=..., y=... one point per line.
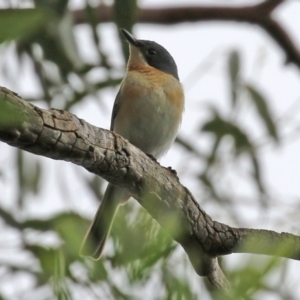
x=150, y=53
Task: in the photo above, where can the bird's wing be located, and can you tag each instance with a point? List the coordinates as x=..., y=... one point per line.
x=115, y=109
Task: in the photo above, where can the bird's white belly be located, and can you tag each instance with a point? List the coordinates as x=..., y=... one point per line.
x=153, y=123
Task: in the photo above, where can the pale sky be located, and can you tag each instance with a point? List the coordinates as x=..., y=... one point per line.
x=195, y=46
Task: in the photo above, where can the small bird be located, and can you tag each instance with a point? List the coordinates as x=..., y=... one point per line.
x=147, y=111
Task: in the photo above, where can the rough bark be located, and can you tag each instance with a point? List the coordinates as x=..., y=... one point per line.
x=61, y=135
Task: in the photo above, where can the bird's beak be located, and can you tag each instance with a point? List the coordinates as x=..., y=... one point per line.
x=130, y=38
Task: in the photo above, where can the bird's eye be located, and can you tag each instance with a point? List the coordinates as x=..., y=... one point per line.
x=151, y=52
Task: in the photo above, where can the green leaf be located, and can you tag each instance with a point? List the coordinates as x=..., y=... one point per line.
x=10, y=117
x=17, y=22
x=46, y=257
x=263, y=110
x=96, y=270
x=176, y=287
x=138, y=239
x=30, y=170
x=257, y=174
x=251, y=278
x=221, y=128
x=36, y=177
x=234, y=69
x=71, y=228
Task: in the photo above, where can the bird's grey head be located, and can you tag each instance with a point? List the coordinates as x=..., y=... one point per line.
x=154, y=54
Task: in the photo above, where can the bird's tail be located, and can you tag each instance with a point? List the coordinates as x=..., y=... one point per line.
x=96, y=236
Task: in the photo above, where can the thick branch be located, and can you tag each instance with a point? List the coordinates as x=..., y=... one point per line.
x=259, y=14
x=268, y=242
x=60, y=135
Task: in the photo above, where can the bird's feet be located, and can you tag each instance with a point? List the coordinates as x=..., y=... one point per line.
x=173, y=172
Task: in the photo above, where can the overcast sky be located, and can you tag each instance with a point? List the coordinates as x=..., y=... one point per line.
x=200, y=51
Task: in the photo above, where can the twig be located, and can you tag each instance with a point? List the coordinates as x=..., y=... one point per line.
x=260, y=14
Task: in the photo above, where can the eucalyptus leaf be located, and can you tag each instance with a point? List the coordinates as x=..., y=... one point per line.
x=221, y=127
x=234, y=70
x=263, y=110
x=16, y=23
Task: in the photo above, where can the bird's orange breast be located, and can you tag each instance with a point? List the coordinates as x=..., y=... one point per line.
x=143, y=78
x=151, y=103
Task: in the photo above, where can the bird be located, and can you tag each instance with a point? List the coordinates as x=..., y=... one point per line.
x=147, y=112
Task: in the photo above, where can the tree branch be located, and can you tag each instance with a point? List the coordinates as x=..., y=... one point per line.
x=259, y=14
x=60, y=135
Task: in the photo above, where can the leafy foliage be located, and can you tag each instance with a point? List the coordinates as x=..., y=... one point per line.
x=16, y=23
x=140, y=255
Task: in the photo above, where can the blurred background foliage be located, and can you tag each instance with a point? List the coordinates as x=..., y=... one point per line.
x=39, y=251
